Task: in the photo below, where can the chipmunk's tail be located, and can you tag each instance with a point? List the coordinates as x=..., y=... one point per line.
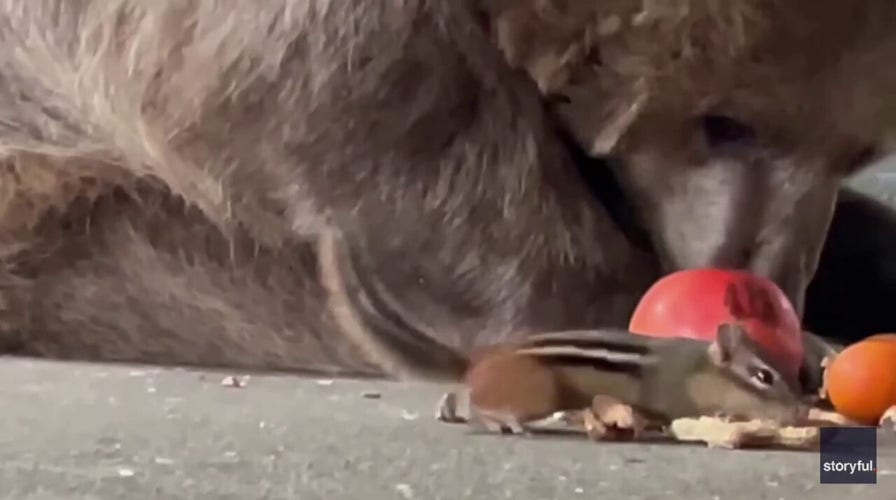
x=385, y=339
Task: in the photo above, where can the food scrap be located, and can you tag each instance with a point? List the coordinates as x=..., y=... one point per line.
x=610, y=419
x=888, y=421
x=621, y=422
x=720, y=433
x=235, y=382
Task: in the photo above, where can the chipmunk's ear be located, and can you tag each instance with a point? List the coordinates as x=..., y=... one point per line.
x=728, y=340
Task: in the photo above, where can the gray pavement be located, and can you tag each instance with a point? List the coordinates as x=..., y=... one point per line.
x=72, y=431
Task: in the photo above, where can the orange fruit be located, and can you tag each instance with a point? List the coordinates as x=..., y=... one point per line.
x=693, y=303
x=861, y=380
x=882, y=336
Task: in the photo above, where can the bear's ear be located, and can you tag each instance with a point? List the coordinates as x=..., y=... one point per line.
x=600, y=109
x=543, y=38
x=558, y=44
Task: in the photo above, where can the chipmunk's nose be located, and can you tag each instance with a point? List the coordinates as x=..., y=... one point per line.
x=788, y=413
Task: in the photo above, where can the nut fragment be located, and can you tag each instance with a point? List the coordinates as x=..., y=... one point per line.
x=888, y=420
x=235, y=382
x=818, y=416
x=448, y=409
x=610, y=419
x=823, y=388
x=716, y=432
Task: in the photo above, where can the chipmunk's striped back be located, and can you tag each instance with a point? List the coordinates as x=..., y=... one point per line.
x=606, y=349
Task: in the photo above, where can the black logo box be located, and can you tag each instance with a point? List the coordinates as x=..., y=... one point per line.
x=848, y=455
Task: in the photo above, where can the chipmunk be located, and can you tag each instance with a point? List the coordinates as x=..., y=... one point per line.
x=661, y=379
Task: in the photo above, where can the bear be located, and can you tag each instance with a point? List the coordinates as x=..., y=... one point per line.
x=377, y=188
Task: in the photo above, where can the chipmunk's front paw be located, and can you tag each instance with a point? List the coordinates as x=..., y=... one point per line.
x=609, y=419
x=498, y=422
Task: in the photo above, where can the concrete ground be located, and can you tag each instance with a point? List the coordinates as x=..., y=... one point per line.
x=79, y=431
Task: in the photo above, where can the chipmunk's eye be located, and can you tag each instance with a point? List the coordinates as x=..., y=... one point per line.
x=763, y=376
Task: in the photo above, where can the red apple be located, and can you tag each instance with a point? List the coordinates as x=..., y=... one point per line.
x=693, y=303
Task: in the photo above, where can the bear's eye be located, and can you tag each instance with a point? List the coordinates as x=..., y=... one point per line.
x=722, y=131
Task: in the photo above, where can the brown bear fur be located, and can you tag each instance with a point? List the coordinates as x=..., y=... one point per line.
x=352, y=187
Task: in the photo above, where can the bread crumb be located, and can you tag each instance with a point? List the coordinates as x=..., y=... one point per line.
x=716, y=432
x=235, y=382
x=888, y=420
